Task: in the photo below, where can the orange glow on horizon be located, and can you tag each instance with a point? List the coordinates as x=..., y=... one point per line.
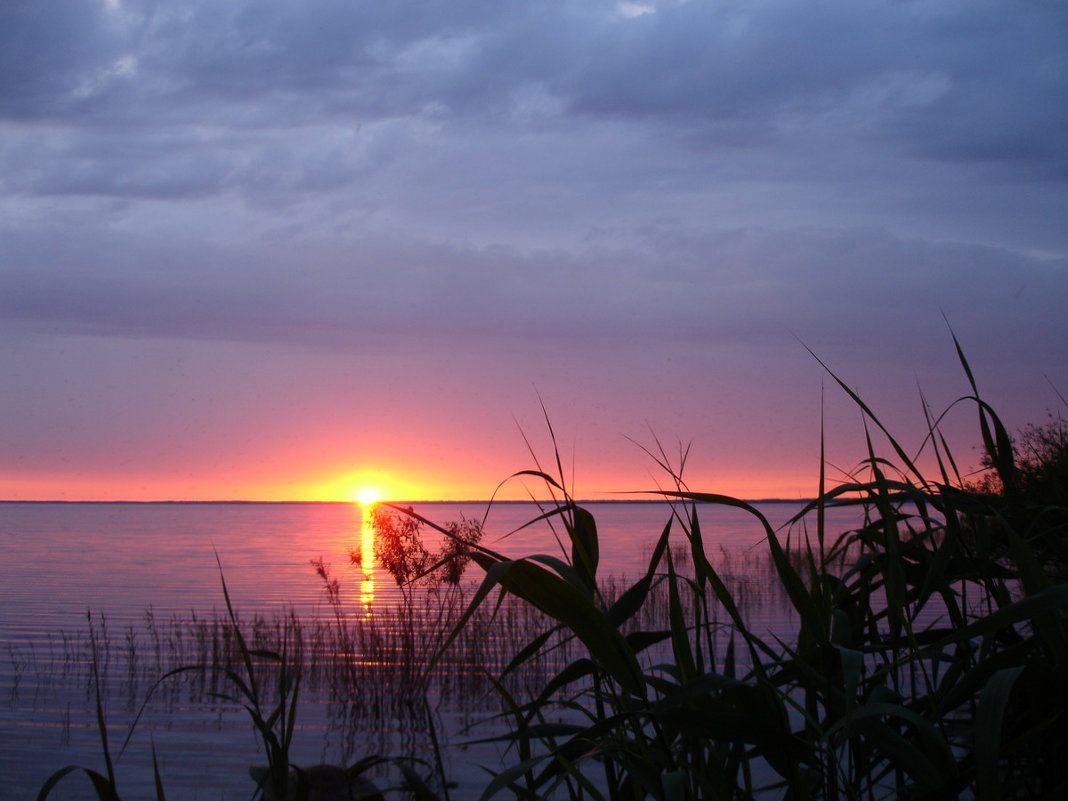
x=365, y=487
x=387, y=481
x=122, y=488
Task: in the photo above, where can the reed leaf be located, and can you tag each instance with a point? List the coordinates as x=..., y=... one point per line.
x=928, y=760
x=791, y=581
x=582, y=529
x=680, y=634
x=988, y=719
x=568, y=603
x=894, y=580
x=102, y=786
x=1051, y=600
x=902, y=455
x=998, y=444
x=634, y=597
x=157, y=780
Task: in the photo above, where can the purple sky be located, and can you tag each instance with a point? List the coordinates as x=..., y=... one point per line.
x=275, y=249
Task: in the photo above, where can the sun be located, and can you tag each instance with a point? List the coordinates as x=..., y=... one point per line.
x=367, y=496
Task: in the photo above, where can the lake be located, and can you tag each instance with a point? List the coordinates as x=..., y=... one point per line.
x=147, y=575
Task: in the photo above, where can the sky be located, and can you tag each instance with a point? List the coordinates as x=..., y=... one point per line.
x=281, y=250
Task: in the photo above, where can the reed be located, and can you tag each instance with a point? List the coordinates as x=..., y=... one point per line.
x=104, y=785
x=928, y=656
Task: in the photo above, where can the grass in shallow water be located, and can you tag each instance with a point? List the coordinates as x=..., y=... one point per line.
x=929, y=657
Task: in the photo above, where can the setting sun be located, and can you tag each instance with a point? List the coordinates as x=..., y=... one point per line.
x=368, y=496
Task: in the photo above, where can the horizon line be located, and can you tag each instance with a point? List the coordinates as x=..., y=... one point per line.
x=424, y=500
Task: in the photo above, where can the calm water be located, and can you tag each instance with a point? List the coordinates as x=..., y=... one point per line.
x=136, y=566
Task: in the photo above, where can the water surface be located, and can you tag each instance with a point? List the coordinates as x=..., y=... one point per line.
x=135, y=566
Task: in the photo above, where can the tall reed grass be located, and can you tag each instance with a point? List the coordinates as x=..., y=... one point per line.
x=928, y=658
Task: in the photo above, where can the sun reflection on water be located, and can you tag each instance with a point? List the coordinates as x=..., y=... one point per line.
x=367, y=556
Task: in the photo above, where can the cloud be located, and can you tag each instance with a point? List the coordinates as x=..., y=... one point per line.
x=581, y=194
x=936, y=81
x=735, y=286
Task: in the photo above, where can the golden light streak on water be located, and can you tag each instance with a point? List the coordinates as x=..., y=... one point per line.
x=367, y=556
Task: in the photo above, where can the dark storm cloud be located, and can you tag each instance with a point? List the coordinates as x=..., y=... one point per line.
x=184, y=59
x=978, y=82
x=46, y=49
